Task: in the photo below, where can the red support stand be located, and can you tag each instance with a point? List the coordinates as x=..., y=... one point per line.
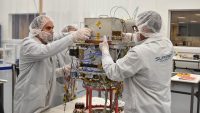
x=89, y=105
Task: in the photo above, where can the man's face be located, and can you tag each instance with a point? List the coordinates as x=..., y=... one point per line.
x=48, y=27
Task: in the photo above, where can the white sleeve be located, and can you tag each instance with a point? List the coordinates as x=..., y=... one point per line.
x=125, y=67
x=34, y=50
x=59, y=36
x=65, y=56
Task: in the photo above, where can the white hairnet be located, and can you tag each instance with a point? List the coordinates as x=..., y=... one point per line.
x=37, y=24
x=69, y=27
x=150, y=20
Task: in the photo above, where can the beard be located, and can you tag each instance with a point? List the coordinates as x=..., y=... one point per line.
x=46, y=36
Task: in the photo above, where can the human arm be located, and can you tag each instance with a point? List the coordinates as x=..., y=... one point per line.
x=125, y=67
x=31, y=49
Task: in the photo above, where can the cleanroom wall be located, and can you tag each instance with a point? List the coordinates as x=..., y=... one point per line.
x=66, y=12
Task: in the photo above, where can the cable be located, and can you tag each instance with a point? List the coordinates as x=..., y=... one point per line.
x=119, y=52
x=135, y=12
x=112, y=9
x=124, y=28
x=124, y=10
x=116, y=8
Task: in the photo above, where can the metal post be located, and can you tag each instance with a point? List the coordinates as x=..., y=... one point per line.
x=87, y=95
x=111, y=94
x=192, y=99
x=90, y=100
x=198, y=97
x=40, y=7
x=116, y=104
x=1, y=98
x=174, y=65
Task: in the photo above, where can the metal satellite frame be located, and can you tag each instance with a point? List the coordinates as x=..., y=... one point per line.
x=88, y=65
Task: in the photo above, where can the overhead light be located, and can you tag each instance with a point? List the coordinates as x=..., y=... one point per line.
x=181, y=17
x=193, y=21
x=198, y=14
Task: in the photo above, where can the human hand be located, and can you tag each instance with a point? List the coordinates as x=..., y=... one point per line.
x=65, y=29
x=81, y=35
x=104, y=47
x=69, y=28
x=66, y=69
x=127, y=36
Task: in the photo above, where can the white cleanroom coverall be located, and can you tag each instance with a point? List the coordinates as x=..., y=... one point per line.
x=146, y=72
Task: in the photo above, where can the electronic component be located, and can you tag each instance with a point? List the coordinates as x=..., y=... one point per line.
x=111, y=27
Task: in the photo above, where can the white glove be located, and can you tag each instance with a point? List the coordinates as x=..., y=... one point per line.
x=127, y=36
x=104, y=47
x=81, y=35
x=65, y=29
x=65, y=70
x=69, y=28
